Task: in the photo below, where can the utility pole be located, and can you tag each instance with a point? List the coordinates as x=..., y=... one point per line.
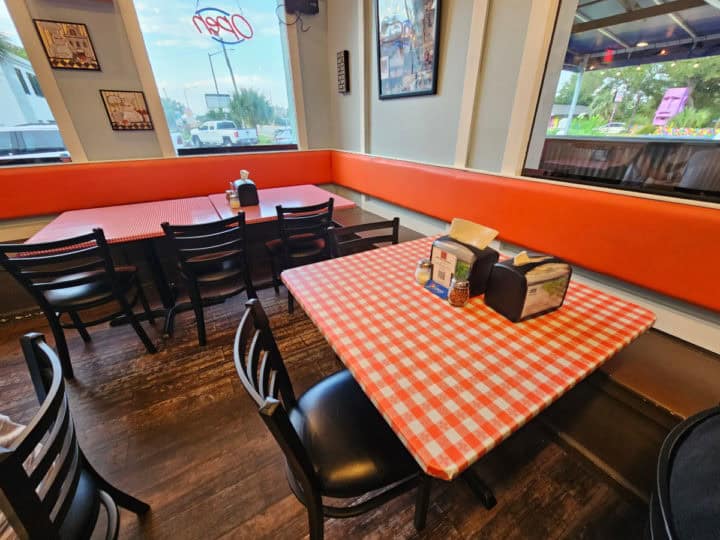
x=212, y=69
x=232, y=75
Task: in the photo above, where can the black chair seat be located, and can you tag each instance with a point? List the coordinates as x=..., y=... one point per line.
x=302, y=246
x=694, y=481
x=96, y=291
x=215, y=267
x=352, y=448
x=84, y=509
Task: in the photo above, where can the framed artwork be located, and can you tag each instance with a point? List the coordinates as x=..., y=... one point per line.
x=127, y=110
x=407, y=47
x=343, y=72
x=67, y=45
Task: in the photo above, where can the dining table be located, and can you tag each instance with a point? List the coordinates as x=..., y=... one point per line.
x=270, y=198
x=141, y=223
x=128, y=223
x=453, y=383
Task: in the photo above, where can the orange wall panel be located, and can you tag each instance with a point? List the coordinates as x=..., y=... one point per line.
x=51, y=189
x=654, y=244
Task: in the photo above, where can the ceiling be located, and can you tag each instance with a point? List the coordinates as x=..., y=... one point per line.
x=681, y=29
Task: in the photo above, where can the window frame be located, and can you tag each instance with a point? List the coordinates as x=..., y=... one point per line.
x=22, y=81
x=675, y=193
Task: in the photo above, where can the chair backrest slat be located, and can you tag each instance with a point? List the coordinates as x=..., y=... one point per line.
x=313, y=220
x=258, y=360
x=60, y=472
x=264, y=386
x=48, y=266
x=355, y=239
x=225, y=238
x=51, y=446
x=39, y=483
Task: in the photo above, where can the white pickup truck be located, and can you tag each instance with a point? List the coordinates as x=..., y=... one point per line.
x=222, y=133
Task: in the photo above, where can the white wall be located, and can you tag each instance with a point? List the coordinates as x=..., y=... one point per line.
x=313, y=47
x=80, y=89
x=424, y=127
x=345, y=33
x=506, y=27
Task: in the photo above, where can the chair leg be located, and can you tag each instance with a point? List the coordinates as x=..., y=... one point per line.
x=199, y=315
x=291, y=303
x=120, y=497
x=316, y=518
x=422, y=501
x=149, y=345
x=61, y=345
x=143, y=301
x=249, y=287
x=275, y=275
x=80, y=327
x=169, y=326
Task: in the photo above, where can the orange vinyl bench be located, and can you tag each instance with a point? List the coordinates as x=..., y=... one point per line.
x=52, y=189
x=663, y=246
x=654, y=244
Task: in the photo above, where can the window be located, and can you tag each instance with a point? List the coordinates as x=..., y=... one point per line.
x=22, y=81
x=636, y=103
x=28, y=133
x=232, y=93
x=35, y=84
x=46, y=139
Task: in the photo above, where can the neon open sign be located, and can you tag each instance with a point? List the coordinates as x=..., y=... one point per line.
x=222, y=26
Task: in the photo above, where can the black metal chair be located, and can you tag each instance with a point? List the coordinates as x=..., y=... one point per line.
x=49, y=489
x=335, y=442
x=74, y=275
x=209, y=255
x=355, y=238
x=303, y=239
x=686, y=500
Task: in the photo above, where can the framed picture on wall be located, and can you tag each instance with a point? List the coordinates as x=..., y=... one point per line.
x=407, y=47
x=67, y=45
x=127, y=110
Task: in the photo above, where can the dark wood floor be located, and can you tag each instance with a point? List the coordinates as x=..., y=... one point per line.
x=177, y=430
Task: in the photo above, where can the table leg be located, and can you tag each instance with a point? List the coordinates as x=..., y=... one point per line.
x=479, y=488
x=164, y=289
x=422, y=501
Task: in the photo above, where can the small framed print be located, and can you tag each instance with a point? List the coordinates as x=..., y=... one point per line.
x=67, y=45
x=127, y=110
x=343, y=74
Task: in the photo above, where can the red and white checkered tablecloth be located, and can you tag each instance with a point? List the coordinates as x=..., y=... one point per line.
x=128, y=222
x=454, y=382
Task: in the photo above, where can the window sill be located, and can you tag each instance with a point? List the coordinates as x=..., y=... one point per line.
x=213, y=150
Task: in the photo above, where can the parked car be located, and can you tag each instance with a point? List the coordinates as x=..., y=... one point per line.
x=223, y=133
x=613, y=127
x=32, y=143
x=177, y=139
x=284, y=136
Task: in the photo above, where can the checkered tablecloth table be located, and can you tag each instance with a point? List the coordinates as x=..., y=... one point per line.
x=128, y=222
x=454, y=382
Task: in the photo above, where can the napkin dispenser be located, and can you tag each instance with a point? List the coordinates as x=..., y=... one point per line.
x=246, y=190
x=526, y=287
x=451, y=258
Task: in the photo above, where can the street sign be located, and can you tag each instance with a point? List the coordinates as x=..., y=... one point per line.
x=217, y=101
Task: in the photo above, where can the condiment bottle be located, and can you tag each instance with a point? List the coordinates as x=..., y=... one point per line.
x=423, y=272
x=234, y=200
x=458, y=293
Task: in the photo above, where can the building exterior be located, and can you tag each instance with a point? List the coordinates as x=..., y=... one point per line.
x=20, y=93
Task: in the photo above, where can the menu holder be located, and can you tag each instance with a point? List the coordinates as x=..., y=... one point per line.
x=246, y=190
x=523, y=287
x=464, y=262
